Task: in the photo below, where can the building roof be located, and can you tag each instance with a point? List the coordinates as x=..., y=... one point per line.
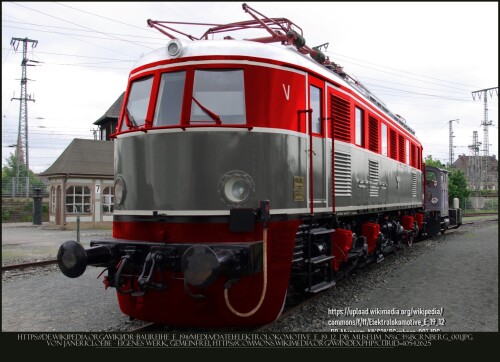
x=84, y=157
x=113, y=112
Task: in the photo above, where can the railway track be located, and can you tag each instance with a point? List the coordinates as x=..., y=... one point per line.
x=480, y=214
x=42, y=263
x=22, y=266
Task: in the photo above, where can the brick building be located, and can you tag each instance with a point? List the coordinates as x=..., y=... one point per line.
x=81, y=180
x=472, y=169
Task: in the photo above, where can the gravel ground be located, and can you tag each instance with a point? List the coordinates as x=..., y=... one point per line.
x=457, y=272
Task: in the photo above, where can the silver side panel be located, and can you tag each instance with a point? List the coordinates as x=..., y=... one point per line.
x=182, y=170
x=322, y=162
x=366, y=181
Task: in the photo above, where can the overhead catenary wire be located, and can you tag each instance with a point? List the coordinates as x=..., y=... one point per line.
x=408, y=89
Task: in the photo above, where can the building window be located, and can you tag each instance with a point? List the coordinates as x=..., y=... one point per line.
x=108, y=200
x=384, y=139
x=358, y=128
x=78, y=200
x=53, y=200
x=316, y=109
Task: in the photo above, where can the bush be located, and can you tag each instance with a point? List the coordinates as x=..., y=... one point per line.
x=5, y=215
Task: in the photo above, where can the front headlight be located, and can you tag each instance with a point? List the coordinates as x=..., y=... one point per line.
x=120, y=190
x=236, y=187
x=174, y=48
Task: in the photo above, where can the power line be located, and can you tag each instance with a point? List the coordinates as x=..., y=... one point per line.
x=85, y=36
x=89, y=31
x=103, y=17
x=402, y=71
x=85, y=27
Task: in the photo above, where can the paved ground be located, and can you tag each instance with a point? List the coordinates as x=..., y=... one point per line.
x=24, y=242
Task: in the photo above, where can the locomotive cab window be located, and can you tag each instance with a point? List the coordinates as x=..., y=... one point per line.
x=407, y=151
x=316, y=109
x=358, y=127
x=384, y=139
x=169, y=104
x=431, y=179
x=218, y=96
x=137, y=103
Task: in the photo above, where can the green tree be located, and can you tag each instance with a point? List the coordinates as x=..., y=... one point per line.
x=10, y=170
x=430, y=162
x=457, y=186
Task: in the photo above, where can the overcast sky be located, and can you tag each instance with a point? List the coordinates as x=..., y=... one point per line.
x=423, y=59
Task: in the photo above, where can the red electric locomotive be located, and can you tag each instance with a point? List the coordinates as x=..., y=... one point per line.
x=246, y=170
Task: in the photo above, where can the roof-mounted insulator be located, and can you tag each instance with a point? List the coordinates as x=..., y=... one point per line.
x=318, y=55
x=298, y=40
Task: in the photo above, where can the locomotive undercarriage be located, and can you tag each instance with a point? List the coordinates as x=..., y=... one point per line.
x=313, y=264
x=436, y=223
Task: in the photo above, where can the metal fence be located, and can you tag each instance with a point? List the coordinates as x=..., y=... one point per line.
x=481, y=203
x=20, y=187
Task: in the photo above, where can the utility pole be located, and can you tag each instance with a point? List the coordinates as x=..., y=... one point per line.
x=94, y=131
x=485, y=123
x=451, y=140
x=22, y=150
x=474, y=168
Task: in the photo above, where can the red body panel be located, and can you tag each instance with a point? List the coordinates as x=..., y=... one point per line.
x=371, y=231
x=419, y=217
x=407, y=222
x=174, y=307
x=341, y=244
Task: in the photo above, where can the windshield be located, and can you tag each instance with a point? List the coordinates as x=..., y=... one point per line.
x=138, y=101
x=169, y=105
x=217, y=98
x=218, y=94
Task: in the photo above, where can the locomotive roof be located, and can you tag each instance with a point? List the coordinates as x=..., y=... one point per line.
x=277, y=52
x=280, y=53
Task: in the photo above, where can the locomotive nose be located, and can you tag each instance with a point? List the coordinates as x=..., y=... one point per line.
x=73, y=259
x=202, y=265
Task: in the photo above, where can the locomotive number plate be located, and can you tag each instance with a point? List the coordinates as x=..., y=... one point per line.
x=298, y=188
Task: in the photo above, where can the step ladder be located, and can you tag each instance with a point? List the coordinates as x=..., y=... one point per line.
x=323, y=262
